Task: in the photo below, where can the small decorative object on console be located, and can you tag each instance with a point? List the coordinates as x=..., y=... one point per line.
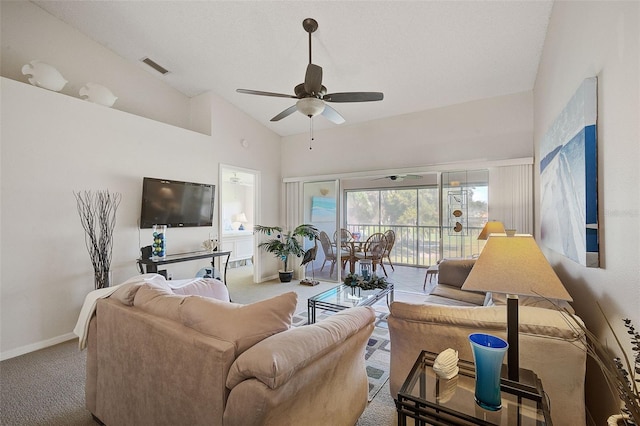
x=446, y=364
x=159, y=241
x=211, y=244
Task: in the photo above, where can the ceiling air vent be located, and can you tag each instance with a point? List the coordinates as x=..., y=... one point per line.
x=155, y=66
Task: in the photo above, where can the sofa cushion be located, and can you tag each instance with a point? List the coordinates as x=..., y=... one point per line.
x=206, y=287
x=242, y=325
x=275, y=360
x=445, y=301
x=454, y=272
x=126, y=292
x=158, y=300
x=499, y=299
x=531, y=320
x=454, y=292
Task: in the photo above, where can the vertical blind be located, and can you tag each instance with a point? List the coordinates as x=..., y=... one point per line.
x=511, y=197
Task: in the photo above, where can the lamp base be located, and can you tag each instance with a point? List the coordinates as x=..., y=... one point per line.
x=513, y=354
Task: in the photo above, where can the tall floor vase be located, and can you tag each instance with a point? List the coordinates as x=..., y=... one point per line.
x=98, y=218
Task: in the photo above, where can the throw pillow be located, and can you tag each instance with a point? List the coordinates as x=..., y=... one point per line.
x=207, y=287
x=498, y=299
x=158, y=300
x=126, y=291
x=242, y=325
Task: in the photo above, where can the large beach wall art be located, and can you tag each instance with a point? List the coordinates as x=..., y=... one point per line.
x=569, y=180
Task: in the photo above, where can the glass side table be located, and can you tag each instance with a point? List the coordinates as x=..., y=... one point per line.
x=426, y=399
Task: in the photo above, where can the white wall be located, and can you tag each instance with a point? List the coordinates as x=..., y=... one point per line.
x=600, y=39
x=53, y=144
x=490, y=129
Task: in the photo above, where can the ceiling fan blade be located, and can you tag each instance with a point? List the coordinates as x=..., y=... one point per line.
x=332, y=115
x=353, y=97
x=313, y=79
x=287, y=112
x=258, y=92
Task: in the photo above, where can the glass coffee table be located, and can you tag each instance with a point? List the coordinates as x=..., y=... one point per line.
x=426, y=399
x=344, y=296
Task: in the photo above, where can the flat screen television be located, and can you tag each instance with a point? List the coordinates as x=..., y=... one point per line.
x=176, y=204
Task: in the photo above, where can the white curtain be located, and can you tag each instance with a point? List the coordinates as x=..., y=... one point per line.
x=511, y=197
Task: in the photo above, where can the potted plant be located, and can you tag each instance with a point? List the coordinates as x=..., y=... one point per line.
x=285, y=244
x=621, y=374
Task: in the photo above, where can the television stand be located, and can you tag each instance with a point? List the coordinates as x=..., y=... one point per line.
x=151, y=265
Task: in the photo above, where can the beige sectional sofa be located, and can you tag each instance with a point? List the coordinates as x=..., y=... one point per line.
x=444, y=319
x=160, y=358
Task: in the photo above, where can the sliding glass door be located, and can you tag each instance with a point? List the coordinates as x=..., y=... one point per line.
x=412, y=213
x=431, y=222
x=321, y=209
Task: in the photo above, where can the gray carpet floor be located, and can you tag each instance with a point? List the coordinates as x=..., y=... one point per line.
x=46, y=387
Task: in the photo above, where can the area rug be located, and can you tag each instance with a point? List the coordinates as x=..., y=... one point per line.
x=377, y=355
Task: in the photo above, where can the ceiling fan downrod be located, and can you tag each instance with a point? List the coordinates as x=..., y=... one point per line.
x=310, y=25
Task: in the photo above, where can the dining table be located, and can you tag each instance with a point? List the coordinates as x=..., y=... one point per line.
x=353, y=248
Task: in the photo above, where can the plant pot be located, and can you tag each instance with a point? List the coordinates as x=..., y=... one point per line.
x=285, y=276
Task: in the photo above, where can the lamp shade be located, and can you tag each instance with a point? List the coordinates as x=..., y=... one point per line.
x=240, y=217
x=491, y=227
x=517, y=266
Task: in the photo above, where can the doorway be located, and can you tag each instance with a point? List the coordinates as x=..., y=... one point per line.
x=238, y=213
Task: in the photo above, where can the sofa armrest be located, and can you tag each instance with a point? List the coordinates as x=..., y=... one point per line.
x=298, y=376
x=152, y=370
x=276, y=359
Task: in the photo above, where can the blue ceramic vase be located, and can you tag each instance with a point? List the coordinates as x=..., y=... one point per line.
x=488, y=353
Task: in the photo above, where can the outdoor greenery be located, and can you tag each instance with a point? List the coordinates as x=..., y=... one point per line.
x=286, y=243
x=413, y=213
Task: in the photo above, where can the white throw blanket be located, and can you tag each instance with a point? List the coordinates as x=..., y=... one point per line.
x=90, y=301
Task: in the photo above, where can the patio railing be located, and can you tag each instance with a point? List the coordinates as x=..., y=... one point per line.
x=420, y=245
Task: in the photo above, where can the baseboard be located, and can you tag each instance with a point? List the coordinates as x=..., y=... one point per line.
x=36, y=346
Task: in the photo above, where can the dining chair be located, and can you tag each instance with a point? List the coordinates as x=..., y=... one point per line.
x=345, y=236
x=391, y=240
x=374, y=249
x=330, y=254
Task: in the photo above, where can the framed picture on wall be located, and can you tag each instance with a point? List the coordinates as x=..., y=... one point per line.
x=569, y=179
x=323, y=209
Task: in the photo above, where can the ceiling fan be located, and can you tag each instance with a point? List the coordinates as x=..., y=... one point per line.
x=399, y=178
x=312, y=95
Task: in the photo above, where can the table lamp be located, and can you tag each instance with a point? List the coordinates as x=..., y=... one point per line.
x=491, y=227
x=239, y=220
x=514, y=266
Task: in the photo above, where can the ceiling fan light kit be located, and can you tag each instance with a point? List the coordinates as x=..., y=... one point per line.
x=310, y=106
x=311, y=94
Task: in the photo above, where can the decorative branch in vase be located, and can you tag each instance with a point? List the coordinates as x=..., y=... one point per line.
x=98, y=218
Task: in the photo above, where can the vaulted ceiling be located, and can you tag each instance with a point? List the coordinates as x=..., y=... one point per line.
x=420, y=54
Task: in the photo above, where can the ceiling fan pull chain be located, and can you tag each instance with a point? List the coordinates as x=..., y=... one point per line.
x=311, y=138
